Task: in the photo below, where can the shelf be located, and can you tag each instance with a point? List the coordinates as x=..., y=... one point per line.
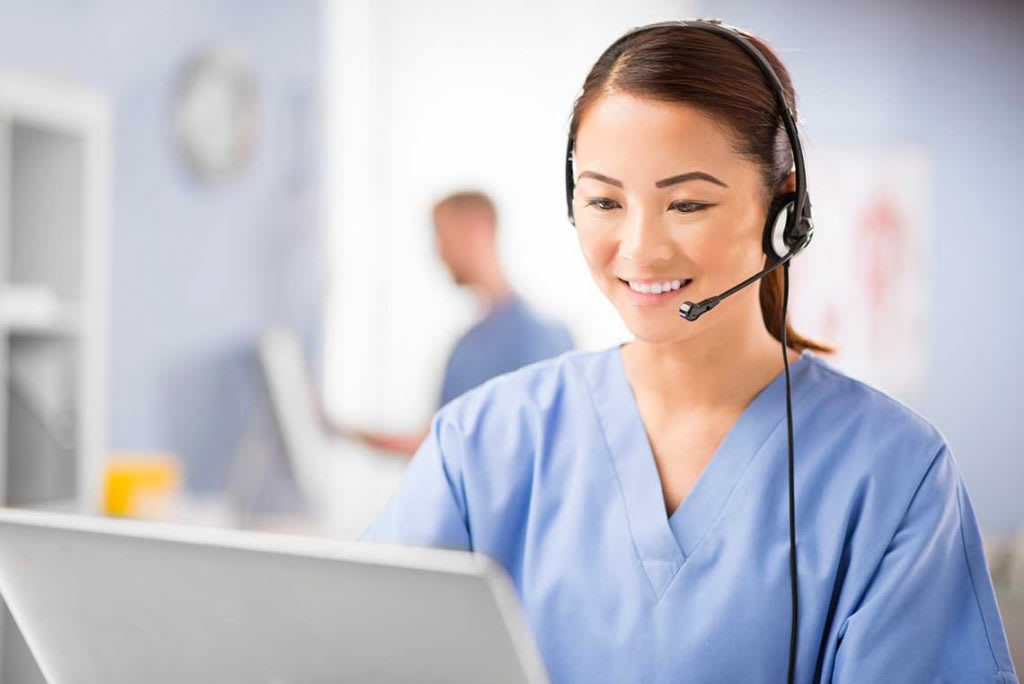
x=62, y=327
x=55, y=169
x=36, y=311
x=56, y=506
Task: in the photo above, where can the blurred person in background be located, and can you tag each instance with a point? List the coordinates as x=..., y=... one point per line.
x=509, y=334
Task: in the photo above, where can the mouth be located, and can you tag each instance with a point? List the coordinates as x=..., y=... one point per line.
x=653, y=292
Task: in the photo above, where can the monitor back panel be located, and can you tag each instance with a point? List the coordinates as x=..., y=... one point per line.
x=123, y=608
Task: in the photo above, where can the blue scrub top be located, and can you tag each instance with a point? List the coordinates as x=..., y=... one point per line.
x=549, y=471
x=511, y=336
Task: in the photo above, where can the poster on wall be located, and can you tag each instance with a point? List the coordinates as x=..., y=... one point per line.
x=862, y=283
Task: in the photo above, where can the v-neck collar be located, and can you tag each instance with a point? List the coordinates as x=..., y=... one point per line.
x=665, y=542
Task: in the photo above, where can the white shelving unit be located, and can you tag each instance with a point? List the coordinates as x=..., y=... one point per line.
x=54, y=216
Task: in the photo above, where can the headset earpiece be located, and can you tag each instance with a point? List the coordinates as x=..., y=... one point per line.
x=783, y=233
x=777, y=226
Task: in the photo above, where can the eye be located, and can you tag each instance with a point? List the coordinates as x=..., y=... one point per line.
x=603, y=204
x=685, y=207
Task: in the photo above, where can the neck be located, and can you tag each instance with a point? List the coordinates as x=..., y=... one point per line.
x=491, y=288
x=723, y=366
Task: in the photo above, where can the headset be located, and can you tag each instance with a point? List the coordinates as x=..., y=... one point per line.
x=787, y=231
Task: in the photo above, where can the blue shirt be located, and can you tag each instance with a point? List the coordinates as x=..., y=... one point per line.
x=511, y=336
x=549, y=471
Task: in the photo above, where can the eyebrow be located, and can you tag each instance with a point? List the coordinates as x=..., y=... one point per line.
x=663, y=183
x=692, y=175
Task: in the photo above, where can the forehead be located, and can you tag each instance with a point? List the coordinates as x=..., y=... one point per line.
x=623, y=134
x=447, y=214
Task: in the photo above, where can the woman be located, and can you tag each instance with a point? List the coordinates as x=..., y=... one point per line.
x=638, y=496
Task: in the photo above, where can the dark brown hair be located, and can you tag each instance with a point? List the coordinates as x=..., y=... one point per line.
x=711, y=73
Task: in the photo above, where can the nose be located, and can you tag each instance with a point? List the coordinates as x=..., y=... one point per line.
x=645, y=239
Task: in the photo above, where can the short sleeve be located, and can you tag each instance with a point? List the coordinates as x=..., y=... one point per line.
x=929, y=612
x=429, y=508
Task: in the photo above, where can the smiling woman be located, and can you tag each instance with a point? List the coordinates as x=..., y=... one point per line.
x=637, y=495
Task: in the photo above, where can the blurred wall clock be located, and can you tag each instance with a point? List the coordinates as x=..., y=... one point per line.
x=216, y=113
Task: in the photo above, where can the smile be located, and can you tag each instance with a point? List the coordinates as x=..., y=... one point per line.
x=656, y=287
x=645, y=293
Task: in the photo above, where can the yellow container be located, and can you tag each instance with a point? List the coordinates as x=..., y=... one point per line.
x=134, y=480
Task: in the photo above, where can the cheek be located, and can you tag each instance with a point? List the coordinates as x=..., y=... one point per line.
x=598, y=249
x=730, y=244
x=711, y=250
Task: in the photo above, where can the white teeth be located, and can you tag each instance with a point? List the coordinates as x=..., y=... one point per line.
x=656, y=288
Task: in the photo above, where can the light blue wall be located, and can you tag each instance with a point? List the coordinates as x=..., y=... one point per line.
x=949, y=76
x=197, y=272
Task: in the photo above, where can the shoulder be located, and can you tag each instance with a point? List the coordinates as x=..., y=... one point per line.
x=863, y=446
x=493, y=438
x=515, y=323
x=857, y=409
x=522, y=395
x=513, y=418
x=523, y=314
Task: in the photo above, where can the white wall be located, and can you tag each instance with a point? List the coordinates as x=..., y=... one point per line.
x=424, y=98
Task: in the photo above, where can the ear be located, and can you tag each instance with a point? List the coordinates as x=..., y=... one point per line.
x=789, y=184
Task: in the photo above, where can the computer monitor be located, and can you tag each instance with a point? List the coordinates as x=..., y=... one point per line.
x=123, y=602
x=294, y=402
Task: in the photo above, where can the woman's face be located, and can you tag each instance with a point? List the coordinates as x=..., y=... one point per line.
x=662, y=201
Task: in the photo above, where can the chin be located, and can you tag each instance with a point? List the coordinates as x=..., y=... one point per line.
x=671, y=329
